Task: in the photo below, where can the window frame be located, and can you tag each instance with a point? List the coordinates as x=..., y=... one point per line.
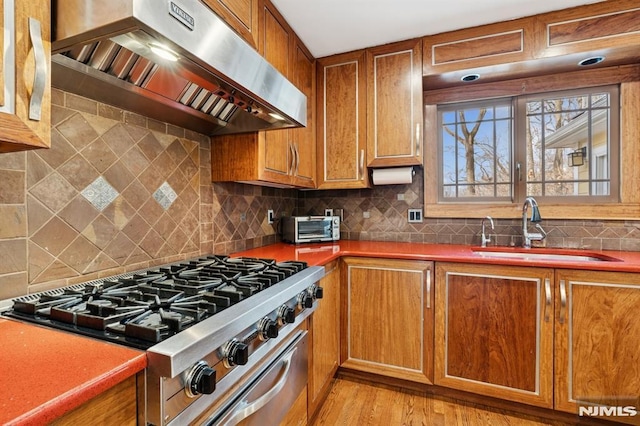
x=627, y=76
x=520, y=190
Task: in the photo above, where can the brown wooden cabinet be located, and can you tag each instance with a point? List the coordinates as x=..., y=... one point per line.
x=597, y=335
x=394, y=105
x=325, y=339
x=116, y=407
x=342, y=122
x=241, y=15
x=387, y=326
x=494, y=331
x=283, y=157
x=25, y=114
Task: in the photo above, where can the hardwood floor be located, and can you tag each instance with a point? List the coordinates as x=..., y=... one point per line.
x=352, y=402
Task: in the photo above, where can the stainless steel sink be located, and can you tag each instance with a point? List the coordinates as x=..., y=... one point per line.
x=554, y=257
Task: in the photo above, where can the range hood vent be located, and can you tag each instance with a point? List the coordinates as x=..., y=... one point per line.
x=173, y=61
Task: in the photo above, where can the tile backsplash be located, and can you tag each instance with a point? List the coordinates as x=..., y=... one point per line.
x=118, y=191
x=387, y=208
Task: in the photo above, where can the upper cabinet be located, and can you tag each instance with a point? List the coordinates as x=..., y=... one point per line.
x=609, y=28
x=549, y=43
x=342, y=122
x=283, y=157
x=25, y=94
x=394, y=104
x=241, y=15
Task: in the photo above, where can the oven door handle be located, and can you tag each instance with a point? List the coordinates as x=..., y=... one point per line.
x=246, y=409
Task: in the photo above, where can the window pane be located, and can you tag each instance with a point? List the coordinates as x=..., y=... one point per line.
x=476, y=150
x=563, y=136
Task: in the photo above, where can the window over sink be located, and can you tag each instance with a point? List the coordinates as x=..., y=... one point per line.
x=582, y=163
x=559, y=146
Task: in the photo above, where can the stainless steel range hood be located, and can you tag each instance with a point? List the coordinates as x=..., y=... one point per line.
x=171, y=60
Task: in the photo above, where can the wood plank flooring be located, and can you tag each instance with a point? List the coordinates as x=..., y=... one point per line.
x=358, y=403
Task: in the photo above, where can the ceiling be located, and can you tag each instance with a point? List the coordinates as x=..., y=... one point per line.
x=328, y=27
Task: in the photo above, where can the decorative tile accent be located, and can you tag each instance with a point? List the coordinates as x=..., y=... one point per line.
x=165, y=195
x=100, y=193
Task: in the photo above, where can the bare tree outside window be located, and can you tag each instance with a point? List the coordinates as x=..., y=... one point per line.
x=476, y=151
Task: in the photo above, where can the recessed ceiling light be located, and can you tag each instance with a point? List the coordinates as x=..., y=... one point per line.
x=591, y=61
x=470, y=77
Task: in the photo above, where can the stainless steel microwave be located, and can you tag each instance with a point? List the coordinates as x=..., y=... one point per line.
x=310, y=229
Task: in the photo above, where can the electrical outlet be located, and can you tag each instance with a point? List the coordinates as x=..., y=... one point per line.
x=269, y=216
x=243, y=217
x=328, y=212
x=400, y=197
x=414, y=215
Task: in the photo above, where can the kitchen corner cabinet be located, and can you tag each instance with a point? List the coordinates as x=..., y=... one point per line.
x=387, y=326
x=596, y=339
x=240, y=15
x=394, y=105
x=494, y=331
x=284, y=157
x=25, y=81
x=342, y=121
x=325, y=339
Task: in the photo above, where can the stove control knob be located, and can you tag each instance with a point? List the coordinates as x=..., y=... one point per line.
x=305, y=300
x=201, y=379
x=316, y=291
x=235, y=353
x=286, y=315
x=268, y=328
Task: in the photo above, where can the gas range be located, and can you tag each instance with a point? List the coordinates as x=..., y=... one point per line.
x=204, y=323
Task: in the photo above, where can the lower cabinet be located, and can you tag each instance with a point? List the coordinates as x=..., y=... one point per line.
x=116, y=406
x=597, y=341
x=387, y=326
x=325, y=339
x=494, y=331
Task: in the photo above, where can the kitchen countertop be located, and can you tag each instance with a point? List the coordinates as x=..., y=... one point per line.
x=320, y=254
x=45, y=373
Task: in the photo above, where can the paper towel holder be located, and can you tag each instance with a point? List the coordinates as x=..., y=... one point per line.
x=393, y=175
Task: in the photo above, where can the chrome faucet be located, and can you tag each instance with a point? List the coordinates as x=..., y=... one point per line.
x=484, y=238
x=527, y=237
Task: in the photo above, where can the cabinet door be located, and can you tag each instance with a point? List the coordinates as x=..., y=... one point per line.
x=341, y=113
x=241, y=15
x=388, y=318
x=276, y=152
x=394, y=106
x=303, y=139
x=325, y=338
x=25, y=114
x=597, y=340
x=494, y=331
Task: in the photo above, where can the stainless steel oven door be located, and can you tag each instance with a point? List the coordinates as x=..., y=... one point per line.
x=271, y=392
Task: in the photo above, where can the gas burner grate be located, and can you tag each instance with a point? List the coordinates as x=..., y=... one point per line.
x=147, y=306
